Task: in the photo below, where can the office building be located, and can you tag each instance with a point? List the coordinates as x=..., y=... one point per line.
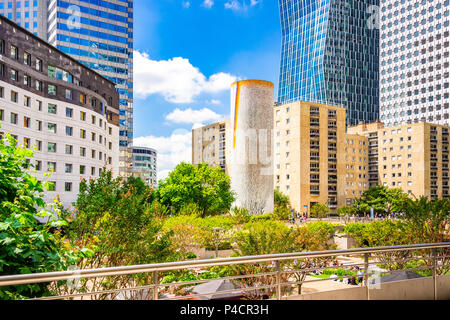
x=50, y=101
x=414, y=62
x=330, y=55
x=145, y=165
x=209, y=145
x=99, y=34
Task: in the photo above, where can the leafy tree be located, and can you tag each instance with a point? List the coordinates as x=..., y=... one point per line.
x=384, y=233
x=319, y=210
x=346, y=212
x=208, y=188
x=269, y=237
x=139, y=185
x=429, y=221
x=119, y=225
x=382, y=199
x=281, y=213
x=27, y=246
x=281, y=200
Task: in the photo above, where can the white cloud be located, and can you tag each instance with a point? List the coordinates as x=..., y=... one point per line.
x=236, y=5
x=193, y=116
x=176, y=79
x=171, y=150
x=214, y=101
x=208, y=3
x=186, y=4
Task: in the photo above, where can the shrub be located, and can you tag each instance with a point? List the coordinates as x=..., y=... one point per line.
x=281, y=213
x=241, y=215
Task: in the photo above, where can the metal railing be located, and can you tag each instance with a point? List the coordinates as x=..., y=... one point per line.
x=275, y=267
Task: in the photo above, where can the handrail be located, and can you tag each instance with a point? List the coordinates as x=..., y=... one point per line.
x=124, y=270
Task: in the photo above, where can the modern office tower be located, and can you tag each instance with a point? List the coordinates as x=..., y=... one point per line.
x=356, y=167
x=250, y=145
x=99, y=34
x=50, y=101
x=209, y=145
x=414, y=62
x=31, y=15
x=145, y=164
x=370, y=131
x=310, y=162
x=330, y=55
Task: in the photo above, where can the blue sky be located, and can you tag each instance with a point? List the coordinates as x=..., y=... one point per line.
x=187, y=53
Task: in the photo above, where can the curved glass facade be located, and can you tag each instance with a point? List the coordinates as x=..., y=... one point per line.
x=329, y=55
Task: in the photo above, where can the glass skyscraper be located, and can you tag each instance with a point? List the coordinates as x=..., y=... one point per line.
x=99, y=34
x=330, y=54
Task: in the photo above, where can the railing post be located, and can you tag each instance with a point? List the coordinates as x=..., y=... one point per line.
x=155, y=282
x=366, y=274
x=277, y=264
x=434, y=257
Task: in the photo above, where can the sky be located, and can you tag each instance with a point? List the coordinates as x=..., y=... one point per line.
x=186, y=55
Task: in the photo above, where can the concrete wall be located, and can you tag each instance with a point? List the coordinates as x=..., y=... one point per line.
x=415, y=289
x=251, y=145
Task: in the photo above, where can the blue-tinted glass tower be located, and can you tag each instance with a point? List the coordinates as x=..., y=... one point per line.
x=330, y=55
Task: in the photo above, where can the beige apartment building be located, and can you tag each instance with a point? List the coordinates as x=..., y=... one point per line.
x=415, y=157
x=308, y=165
x=209, y=145
x=356, y=167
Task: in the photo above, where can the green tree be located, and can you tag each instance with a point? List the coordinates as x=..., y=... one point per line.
x=26, y=246
x=382, y=199
x=118, y=224
x=319, y=210
x=281, y=200
x=208, y=188
x=139, y=185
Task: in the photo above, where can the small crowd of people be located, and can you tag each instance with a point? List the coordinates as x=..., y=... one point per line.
x=358, y=279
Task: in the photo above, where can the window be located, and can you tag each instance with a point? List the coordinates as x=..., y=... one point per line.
x=52, y=108
x=57, y=73
x=38, y=64
x=82, y=169
x=27, y=80
x=92, y=171
x=39, y=125
x=51, y=89
x=27, y=142
x=2, y=46
x=38, y=165
x=27, y=58
x=26, y=101
x=93, y=119
x=14, y=53
x=39, y=145
x=82, y=152
x=2, y=91
x=52, y=186
x=51, y=127
x=68, y=94
x=2, y=114
x=69, y=112
x=14, y=75
x=69, y=131
x=82, y=116
x=93, y=154
x=14, y=118
x=68, y=168
x=68, y=186
x=14, y=96
x=82, y=134
x=26, y=122
x=38, y=85
x=51, y=147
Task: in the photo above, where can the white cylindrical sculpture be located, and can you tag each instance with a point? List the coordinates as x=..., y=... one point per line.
x=250, y=145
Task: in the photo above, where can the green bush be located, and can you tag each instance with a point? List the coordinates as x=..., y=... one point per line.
x=262, y=217
x=241, y=215
x=281, y=213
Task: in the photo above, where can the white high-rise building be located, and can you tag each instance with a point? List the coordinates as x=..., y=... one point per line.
x=414, y=61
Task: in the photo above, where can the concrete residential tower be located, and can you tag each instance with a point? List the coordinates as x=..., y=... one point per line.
x=50, y=101
x=251, y=145
x=99, y=34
